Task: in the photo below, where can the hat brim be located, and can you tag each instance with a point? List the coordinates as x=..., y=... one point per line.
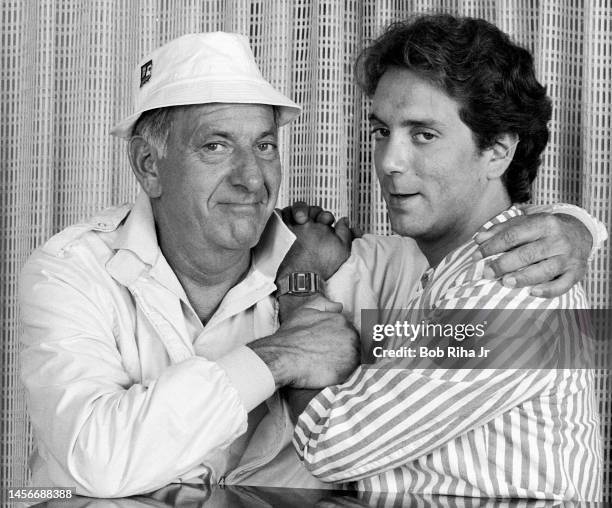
x=199, y=92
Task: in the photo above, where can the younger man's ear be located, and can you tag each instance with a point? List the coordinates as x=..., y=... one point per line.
x=143, y=159
x=502, y=153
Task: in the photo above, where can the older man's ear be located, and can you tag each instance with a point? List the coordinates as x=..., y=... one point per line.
x=143, y=159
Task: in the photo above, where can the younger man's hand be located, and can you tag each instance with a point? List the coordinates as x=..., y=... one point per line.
x=318, y=248
x=301, y=213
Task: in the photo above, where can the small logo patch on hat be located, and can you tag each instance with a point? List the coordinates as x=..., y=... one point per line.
x=145, y=72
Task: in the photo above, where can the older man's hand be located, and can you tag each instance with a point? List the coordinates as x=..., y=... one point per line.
x=314, y=347
x=543, y=250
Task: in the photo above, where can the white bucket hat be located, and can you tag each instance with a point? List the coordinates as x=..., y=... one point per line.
x=200, y=69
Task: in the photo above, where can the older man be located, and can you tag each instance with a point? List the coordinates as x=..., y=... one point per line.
x=152, y=345
x=459, y=122
x=136, y=321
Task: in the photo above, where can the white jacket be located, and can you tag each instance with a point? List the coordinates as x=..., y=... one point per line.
x=128, y=391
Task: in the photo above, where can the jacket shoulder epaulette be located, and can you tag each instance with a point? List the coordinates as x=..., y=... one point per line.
x=106, y=220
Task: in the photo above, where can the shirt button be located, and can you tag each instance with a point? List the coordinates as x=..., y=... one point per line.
x=424, y=280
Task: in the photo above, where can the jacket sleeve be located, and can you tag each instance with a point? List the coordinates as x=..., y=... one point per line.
x=97, y=428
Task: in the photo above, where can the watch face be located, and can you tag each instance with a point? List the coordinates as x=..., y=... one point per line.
x=303, y=283
x=300, y=282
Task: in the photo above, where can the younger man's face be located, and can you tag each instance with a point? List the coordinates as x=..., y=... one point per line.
x=429, y=167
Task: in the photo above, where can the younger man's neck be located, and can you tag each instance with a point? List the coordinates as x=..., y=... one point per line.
x=437, y=248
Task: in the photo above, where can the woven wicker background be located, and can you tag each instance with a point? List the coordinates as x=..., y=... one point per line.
x=65, y=67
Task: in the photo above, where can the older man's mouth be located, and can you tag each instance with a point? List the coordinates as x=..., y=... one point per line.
x=244, y=206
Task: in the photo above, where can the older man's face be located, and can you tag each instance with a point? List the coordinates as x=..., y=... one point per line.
x=220, y=176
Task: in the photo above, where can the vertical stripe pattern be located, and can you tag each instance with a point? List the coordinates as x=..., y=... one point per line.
x=523, y=433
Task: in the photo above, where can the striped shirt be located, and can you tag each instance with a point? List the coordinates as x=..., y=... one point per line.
x=526, y=433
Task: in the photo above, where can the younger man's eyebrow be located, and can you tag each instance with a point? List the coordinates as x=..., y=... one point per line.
x=421, y=122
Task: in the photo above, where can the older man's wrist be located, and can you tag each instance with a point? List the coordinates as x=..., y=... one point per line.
x=275, y=359
x=587, y=238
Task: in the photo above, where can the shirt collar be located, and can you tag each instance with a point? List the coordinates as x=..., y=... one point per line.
x=275, y=242
x=266, y=258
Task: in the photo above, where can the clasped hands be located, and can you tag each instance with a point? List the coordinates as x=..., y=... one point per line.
x=316, y=346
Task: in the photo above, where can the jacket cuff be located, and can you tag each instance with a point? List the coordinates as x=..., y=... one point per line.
x=249, y=375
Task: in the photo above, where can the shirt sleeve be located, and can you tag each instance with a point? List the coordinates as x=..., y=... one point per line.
x=382, y=272
x=384, y=417
x=98, y=427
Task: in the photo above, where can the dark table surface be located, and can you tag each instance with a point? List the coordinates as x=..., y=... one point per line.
x=193, y=496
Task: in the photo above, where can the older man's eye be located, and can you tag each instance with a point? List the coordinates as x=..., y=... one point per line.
x=213, y=147
x=266, y=147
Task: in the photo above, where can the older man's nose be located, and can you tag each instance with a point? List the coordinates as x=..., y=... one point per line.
x=246, y=171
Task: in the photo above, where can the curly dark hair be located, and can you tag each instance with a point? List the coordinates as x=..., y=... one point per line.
x=476, y=64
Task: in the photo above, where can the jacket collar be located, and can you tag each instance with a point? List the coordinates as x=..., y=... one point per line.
x=138, y=233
